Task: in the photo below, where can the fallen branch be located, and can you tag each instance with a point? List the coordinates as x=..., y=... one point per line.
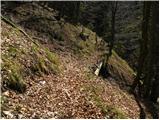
x=17, y=27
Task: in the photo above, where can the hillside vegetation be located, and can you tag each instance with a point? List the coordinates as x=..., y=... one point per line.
x=48, y=69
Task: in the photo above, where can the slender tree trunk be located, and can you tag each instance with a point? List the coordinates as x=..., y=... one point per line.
x=143, y=44
x=77, y=12
x=114, y=9
x=112, y=34
x=153, y=48
x=155, y=90
x=103, y=70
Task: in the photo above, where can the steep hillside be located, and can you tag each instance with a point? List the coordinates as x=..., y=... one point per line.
x=21, y=57
x=47, y=70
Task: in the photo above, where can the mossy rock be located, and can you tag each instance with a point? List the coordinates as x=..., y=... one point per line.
x=84, y=48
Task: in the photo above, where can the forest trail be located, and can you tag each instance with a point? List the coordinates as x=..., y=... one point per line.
x=73, y=93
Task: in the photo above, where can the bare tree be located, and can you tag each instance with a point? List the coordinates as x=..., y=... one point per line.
x=151, y=67
x=103, y=70
x=143, y=45
x=113, y=12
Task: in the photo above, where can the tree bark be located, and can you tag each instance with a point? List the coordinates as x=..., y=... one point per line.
x=153, y=54
x=111, y=43
x=143, y=44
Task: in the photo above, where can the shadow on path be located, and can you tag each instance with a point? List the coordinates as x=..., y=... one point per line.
x=142, y=114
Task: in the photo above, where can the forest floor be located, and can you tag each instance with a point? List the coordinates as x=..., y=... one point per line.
x=73, y=93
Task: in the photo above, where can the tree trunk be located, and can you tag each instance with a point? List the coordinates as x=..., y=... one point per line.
x=143, y=44
x=114, y=9
x=153, y=48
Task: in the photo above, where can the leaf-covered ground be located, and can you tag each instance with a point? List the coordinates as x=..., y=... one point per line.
x=70, y=90
x=72, y=95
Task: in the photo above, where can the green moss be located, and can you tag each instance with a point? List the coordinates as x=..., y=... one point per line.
x=13, y=52
x=99, y=103
x=45, y=61
x=42, y=65
x=2, y=99
x=39, y=65
x=118, y=113
x=14, y=78
x=5, y=33
x=120, y=63
x=54, y=68
x=107, y=110
x=114, y=113
x=13, y=68
x=84, y=48
x=52, y=57
x=89, y=75
x=35, y=48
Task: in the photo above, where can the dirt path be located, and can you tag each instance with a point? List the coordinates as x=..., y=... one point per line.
x=64, y=95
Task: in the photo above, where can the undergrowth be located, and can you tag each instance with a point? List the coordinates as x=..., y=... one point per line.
x=13, y=74
x=108, y=111
x=21, y=59
x=46, y=62
x=83, y=48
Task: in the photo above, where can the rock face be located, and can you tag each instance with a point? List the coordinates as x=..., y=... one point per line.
x=128, y=29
